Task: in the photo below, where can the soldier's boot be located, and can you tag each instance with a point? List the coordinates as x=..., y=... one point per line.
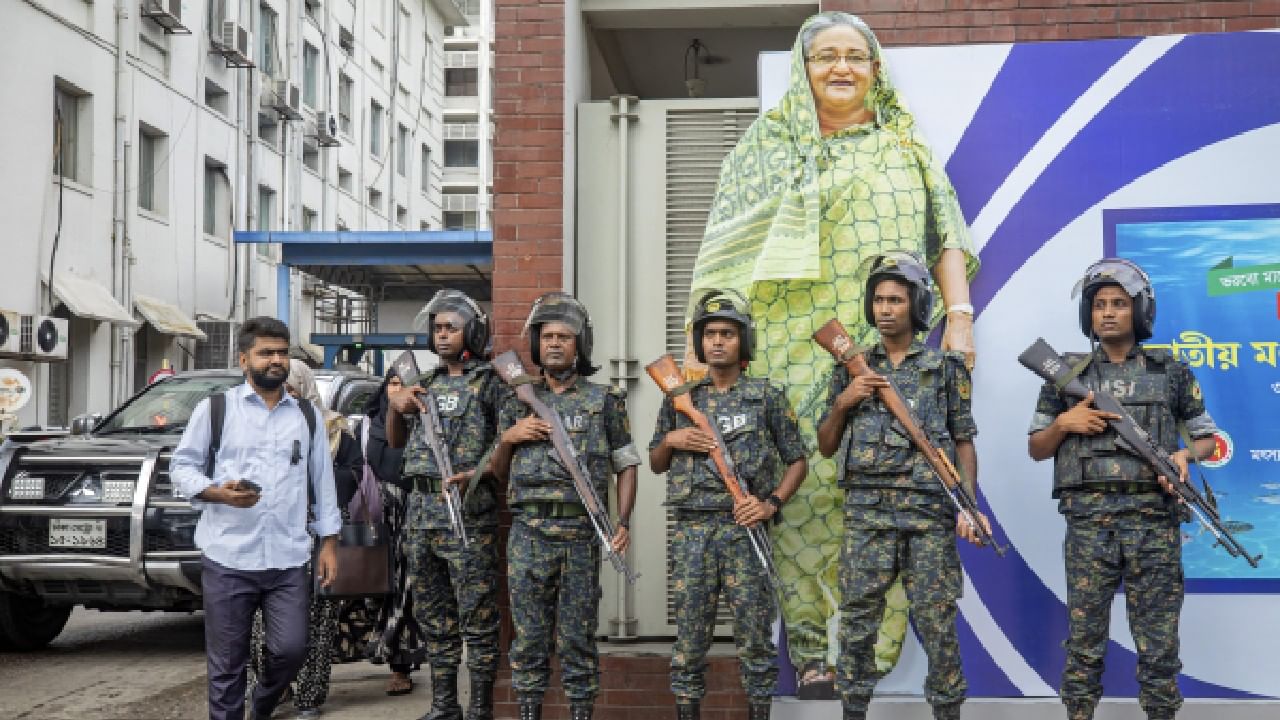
x=481, y=707
x=947, y=712
x=688, y=710
x=1079, y=711
x=758, y=710
x=530, y=706
x=444, y=698
x=851, y=713
x=581, y=710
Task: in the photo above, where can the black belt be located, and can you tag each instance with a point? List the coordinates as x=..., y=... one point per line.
x=549, y=509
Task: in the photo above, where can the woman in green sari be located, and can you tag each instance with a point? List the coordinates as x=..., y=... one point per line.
x=832, y=177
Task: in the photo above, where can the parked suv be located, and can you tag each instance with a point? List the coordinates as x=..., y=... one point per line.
x=93, y=519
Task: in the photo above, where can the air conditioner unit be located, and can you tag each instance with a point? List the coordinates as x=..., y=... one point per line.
x=235, y=37
x=165, y=13
x=324, y=130
x=43, y=337
x=10, y=329
x=282, y=96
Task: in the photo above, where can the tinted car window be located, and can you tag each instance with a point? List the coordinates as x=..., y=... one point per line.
x=167, y=405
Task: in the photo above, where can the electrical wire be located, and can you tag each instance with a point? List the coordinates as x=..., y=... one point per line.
x=60, y=163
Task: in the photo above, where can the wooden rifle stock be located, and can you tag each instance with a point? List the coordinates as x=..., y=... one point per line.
x=666, y=374
x=835, y=339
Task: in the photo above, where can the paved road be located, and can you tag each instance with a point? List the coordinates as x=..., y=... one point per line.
x=150, y=666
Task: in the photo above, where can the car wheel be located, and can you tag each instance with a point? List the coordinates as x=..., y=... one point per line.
x=28, y=623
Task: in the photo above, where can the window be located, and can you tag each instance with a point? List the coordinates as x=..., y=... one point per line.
x=154, y=53
x=461, y=153
x=377, y=70
x=344, y=180
x=425, y=182
x=311, y=155
x=402, y=215
x=310, y=65
x=402, y=150
x=460, y=220
x=269, y=129
x=266, y=208
x=346, y=41
x=217, y=212
x=461, y=82
x=346, y=90
x=403, y=32
x=216, y=98
x=153, y=175
x=424, y=225
x=470, y=8
x=375, y=128
x=310, y=219
x=375, y=199
x=267, y=22
x=70, y=133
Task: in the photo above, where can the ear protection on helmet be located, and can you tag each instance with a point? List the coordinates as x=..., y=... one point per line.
x=1132, y=279
x=908, y=269
x=565, y=308
x=730, y=305
x=475, y=332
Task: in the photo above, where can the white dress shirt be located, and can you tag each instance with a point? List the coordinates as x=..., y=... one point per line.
x=258, y=445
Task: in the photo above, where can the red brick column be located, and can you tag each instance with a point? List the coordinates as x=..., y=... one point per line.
x=950, y=22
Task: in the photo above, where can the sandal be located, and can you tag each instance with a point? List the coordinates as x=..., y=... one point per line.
x=816, y=682
x=399, y=684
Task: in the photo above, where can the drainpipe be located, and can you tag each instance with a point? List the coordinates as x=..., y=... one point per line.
x=250, y=306
x=624, y=625
x=118, y=211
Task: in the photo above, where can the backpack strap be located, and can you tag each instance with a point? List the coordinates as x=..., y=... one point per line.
x=217, y=417
x=309, y=412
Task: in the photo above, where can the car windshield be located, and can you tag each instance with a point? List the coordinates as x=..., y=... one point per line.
x=167, y=405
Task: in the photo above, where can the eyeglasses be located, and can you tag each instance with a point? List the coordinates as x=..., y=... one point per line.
x=829, y=58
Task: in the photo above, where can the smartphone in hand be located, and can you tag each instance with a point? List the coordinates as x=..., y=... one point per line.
x=250, y=485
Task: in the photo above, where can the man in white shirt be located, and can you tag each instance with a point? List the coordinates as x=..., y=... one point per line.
x=254, y=530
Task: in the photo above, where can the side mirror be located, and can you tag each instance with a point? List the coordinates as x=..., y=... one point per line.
x=84, y=424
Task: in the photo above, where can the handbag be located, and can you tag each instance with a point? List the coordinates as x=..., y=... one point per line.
x=364, y=545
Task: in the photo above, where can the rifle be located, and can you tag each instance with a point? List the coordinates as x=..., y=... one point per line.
x=511, y=370
x=406, y=367
x=835, y=340
x=666, y=374
x=1044, y=361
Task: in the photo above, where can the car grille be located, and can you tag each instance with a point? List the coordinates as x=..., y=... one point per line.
x=30, y=536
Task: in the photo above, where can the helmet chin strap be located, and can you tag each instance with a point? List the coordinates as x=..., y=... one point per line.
x=563, y=375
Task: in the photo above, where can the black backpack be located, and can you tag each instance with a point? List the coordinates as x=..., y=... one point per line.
x=218, y=417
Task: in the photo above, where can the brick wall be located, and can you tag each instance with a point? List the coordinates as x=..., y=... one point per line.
x=947, y=22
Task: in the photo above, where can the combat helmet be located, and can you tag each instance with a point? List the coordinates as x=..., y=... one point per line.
x=716, y=304
x=475, y=331
x=565, y=308
x=1130, y=278
x=908, y=269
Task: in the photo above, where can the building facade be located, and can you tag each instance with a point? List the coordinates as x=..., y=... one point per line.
x=142, y=135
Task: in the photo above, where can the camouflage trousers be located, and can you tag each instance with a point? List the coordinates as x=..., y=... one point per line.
x=455, y=597
x=929, y=565
x=1149, y=562
x=712, y=557
x=553, y=572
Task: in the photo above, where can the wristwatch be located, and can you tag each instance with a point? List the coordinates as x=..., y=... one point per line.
x=625, y=524
x=965, y=308
x=775, y=501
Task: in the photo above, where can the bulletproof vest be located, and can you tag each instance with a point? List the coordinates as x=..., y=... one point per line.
x=537, y=470
x=1142, y=386
x=739, y=413
x=468, y=428
x=876, y=449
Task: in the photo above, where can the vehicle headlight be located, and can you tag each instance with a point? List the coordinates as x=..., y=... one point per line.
x=26, y=486
x=116, y=491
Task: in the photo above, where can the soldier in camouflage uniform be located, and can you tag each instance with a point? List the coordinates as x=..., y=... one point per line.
x=897, y=519
x=455, y=589
x=553, y=558
x=711, y=552
x=1122, y=520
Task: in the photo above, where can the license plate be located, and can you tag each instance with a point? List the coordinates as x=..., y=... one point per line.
x=77, y=533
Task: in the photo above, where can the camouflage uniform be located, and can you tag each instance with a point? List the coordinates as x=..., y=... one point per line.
x=455, y=590
x=553, y=556
x=1122, y=527
x=897, y=520
x=710, y=552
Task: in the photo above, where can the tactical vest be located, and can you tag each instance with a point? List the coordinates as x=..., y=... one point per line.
x=1143, y=387
x=468, y=430
x=876, y=449
x=537, y=470
x=692, y=481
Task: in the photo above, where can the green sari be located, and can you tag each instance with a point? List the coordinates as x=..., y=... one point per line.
x=796, y=221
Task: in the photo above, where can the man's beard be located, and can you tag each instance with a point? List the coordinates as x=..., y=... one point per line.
x=265, y=380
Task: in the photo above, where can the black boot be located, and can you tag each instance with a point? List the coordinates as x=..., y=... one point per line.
x=444, y=698
x=855, y=714
x=759, y=710
x=688, y=710
x=481, y=707
x=530, y=706
x=580, y=710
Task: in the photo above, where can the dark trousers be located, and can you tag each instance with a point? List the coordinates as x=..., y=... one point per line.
x=230, y=598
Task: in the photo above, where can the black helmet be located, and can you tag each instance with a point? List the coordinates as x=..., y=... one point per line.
x=906, y=268
x=1130, y=278
x=724, y=305
x=475, y=331
x=565, y=308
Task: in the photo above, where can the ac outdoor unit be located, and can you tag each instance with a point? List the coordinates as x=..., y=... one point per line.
x=43, y=337
x=324, y=131
x=283, y=97
x=235, y=39
x=10, y=329
x=168, y=13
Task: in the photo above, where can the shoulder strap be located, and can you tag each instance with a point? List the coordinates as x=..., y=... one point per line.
x=217, y=416
x=1076, y=370
x=309, y=412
